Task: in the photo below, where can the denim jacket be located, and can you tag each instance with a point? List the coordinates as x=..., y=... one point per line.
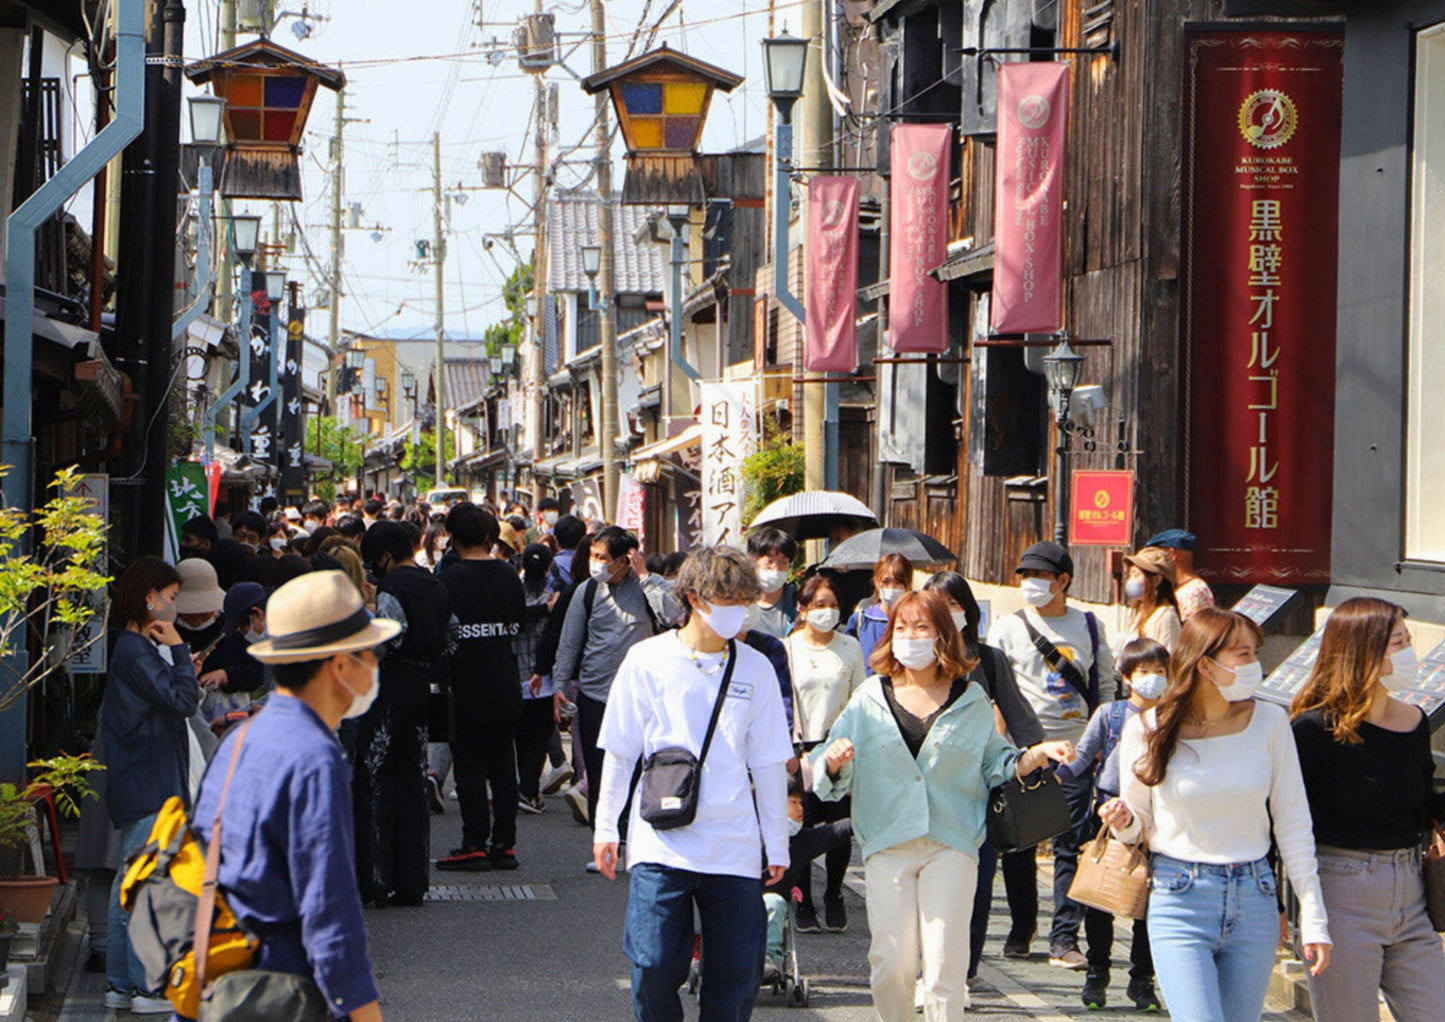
x=943, y=794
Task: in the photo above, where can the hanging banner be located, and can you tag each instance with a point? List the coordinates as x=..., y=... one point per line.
x=687, y=499
x=918, y=307
x=1028, y=226
x=729, y=434
x=632, y=506
x=187, y=497
x=292, y=425
x=1261, y=193
x=1101, y=508
x=260, y=430
x=830, y=343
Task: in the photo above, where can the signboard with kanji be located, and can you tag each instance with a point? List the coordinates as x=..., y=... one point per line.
x=729, y=420
x=632, y=506
x=1101, y=511
x=187, y=497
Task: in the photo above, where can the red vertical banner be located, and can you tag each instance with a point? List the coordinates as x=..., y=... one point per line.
x=1261, y=187
x=830, y=343
x=1028, y=228
x=918, y=309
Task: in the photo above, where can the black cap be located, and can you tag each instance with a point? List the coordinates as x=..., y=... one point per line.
x=1050, y=557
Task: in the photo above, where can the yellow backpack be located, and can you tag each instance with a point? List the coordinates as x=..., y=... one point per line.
x=169, y=890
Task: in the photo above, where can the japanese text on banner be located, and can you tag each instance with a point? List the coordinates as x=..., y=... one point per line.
x=729, y=435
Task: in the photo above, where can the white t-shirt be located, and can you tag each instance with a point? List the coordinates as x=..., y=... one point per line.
x=663, y=698
x=1060, y=708
x=824, y=679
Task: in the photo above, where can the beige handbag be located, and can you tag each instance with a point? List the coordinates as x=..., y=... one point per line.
x=1112, y=876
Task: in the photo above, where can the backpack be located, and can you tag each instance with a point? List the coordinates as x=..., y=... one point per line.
x=166, y=885
x=589, y=596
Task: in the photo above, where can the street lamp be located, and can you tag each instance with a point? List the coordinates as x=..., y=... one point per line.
x=592, y=265
x=784, y=59
x=496, y=365
x=275, y=284
x=408, y=384
x=245, y=234
x=1062, y=367
x=206, y=114
x=509, y=355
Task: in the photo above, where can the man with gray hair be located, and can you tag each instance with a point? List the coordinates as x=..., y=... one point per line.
x=697, y=693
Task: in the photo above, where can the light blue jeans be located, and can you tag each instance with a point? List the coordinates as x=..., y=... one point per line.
x=123, y=969
x=1213, y=931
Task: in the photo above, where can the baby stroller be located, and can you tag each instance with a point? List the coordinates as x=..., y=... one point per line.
x=787, y=982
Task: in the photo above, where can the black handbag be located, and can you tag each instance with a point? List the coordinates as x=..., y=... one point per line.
x=671, y=777
x=1026, y=811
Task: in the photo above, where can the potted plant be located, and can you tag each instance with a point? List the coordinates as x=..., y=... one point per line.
x=26, y=899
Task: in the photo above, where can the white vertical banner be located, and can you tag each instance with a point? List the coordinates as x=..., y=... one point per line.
x=631, y=505
x=729, y=434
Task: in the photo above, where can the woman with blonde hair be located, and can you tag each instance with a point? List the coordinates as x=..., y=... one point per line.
x=1370, y=778
x=917, y=749
x=1207, y=778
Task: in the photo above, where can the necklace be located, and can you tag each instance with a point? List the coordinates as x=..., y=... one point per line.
x=705, y=668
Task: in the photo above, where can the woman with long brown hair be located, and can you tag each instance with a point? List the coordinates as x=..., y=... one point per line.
x=1207, y=778
x=892, y=577
x=1370, y=778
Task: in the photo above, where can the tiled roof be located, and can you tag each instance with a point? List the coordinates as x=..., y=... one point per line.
x=466, y=380
x=572, y=223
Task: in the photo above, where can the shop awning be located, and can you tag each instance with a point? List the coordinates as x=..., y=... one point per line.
x=690, y=437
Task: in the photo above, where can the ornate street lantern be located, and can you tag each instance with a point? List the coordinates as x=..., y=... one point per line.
x=268, y=91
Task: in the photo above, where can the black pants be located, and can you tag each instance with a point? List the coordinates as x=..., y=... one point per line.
x=1099, y=933
x=589, y=726
x=816, y=812
x=534, y=732
x=1068, y=913
x=1021, y=887
x=805, y=846
x=389, y=791
x=484, y=756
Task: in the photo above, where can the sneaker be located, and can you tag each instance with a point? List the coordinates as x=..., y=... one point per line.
x=465, y=860
x=1018, y=947
x=577, y=802
x=591, y=866
x=503, y=858
x=117, y=1000
x=1096, y=995
x=434, y=794
x=143, y=1004
x=1066, y=956
x=805, y=919
x=531, y=806
x=554, y=779
x=835, y=916
x=1141, y=992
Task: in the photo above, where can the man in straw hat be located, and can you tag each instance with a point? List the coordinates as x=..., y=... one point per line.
x=287, y=850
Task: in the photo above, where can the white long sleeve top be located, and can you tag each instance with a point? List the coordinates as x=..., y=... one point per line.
x=1217, y=800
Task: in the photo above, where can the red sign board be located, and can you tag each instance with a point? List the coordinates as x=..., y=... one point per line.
x=830, y=342
x=1101, y=509
x=918, y=307
x=1261, y=193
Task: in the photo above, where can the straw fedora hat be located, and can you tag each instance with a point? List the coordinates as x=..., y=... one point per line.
x=318, y=615
x=1154, y=560
x=199, y=592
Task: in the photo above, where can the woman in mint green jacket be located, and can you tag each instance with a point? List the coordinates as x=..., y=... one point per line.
x=917, y=749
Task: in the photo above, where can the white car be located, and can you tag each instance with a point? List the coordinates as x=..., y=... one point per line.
x=446, y=498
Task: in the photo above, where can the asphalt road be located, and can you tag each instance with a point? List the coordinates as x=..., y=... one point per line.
x=559, y=956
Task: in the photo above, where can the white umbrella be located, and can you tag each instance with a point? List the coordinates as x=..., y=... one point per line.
x=815, y=514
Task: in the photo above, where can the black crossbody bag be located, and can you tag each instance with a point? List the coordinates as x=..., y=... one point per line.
x=671, y=777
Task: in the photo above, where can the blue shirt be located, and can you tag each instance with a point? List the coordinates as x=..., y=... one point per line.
x=1092, y=746
x=288, y=858
x=867, y=625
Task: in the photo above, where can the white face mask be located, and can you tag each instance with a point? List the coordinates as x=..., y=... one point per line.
x=161, y=609
x=825, y=619
x=1247, y=678
x=549, y=518
x=771, y=579
x=249, y=546
x=725, y=621
x=361, y=702
x=200, y=627
x=915, y=653
x=278, y=544
x=1134, y=589
x=960, y=619
x=794, y=827
x=600, y=570
x=1404, y=670
x=1148, y=686
x=1038, y=592
x=890, y=595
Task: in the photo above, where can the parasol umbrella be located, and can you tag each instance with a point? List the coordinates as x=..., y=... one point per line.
x=815, y=514
x=864, y=549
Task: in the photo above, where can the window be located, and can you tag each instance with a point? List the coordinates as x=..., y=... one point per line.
x=1425, y=434
x=665, y=115
x=262, y=108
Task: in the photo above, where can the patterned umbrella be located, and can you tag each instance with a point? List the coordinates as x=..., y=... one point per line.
x=864, y=549
x=815, y=514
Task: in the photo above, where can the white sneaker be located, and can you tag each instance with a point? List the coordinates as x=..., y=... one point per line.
x=555, y=778
x=578, y=804
x=117, y=1000
x=140, y=1004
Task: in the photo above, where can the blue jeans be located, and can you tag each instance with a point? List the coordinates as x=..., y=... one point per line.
x=1213, y=931
x=658, y=937
x=123, y=969
x=1069, y=914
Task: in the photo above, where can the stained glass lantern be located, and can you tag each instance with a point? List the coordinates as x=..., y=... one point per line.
x=268, y=91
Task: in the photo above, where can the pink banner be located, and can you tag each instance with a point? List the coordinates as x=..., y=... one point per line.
x=830, y=344
x=918, y=309
x=1033, y=113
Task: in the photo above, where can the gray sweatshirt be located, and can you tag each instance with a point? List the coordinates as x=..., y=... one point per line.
x=619, y=621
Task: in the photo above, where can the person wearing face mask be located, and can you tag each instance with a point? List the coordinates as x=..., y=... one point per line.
x=230, y=668
x=287, y=848
x=549, y=509
x=772, y=551
x=827, y=668
x=249, y=529
x=918, y=750
x=1061, y=660
x=892, y=577
x=197, y=535
x=198, y=603
x=392, y=824
x=1144, y=666
x=1149, y=589
x=150, y=694
x=1207, y=778
x=619, y=605
x=666, y=692
x=1370, y=778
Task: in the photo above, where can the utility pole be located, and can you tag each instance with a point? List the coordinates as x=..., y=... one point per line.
x=607, y=315
x=338, y=180
x=225, y=268
x=439, y=254
x=815, y=147
x=539, y=284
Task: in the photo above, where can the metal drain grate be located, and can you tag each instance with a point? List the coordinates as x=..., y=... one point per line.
x=491, y=892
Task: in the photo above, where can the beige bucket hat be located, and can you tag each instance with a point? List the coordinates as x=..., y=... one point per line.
x=200, y=593
x=318, y=615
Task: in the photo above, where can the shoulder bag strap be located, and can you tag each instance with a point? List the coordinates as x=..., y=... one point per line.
x=206, y=908
x=1057, y=660
x=1093, y=623
x=722, y=694
x=589, y=596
